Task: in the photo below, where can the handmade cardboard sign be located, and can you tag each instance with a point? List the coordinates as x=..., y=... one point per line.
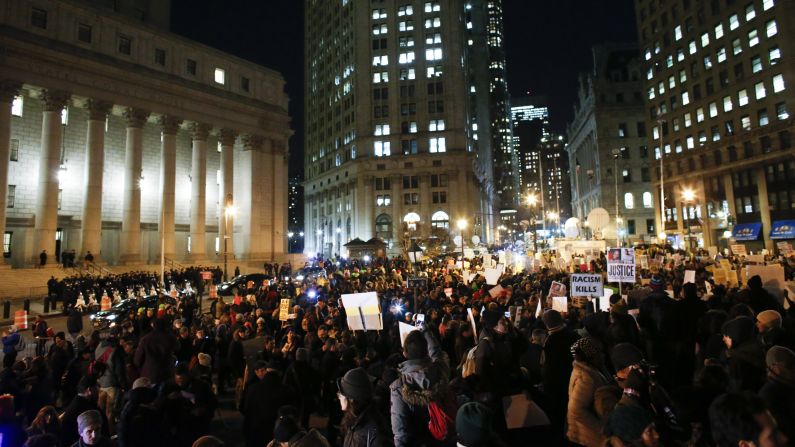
x=586, y=285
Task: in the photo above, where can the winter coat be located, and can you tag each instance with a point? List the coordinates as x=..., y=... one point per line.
x=366, y=432
x=584, y=425
x=10, y=343
x=140, y=422
x=420, y=382
x=779, y=398
x=114, y=374
x=260, y=404
x=747, y=367
x=558, y=363
x=74, y=323
x=155, y=355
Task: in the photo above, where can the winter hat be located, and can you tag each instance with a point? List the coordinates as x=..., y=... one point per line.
x=208, y=441
x=473, y=424
x=301, y=355
x=552, y=319
x=586, y=347
x=285, y=429
x=205, y=359
x=490, y=318
x=356, y=385
x=740, y=329
x=656, y=282
x=142, y=382
x=88, y=418
x=781, y=362
x=624, y=355
x=628, y=422
x=770, y=319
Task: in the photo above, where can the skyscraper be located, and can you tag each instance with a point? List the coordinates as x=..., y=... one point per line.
x=718, y=88
x=530, y=118
x=395, y=123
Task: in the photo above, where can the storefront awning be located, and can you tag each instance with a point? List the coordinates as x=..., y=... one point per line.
x=783, y=229
x=747, y=232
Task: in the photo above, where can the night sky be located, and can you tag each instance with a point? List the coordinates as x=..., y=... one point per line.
x=548, y=44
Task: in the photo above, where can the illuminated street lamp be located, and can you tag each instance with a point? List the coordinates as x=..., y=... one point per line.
x=688, y=196
x=462, y=225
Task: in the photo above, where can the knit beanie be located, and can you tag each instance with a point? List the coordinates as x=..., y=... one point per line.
x=473, y=425
x=624, y=355
x=88, y=418
x=356, y=385
x=628, y=422
x=770, y=319
x=739, y=329
x=285, y=429
x=552, y=319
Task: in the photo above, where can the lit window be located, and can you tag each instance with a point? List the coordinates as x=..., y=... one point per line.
x=405, y=10
x=407, y=74
x=707, y=62
x=381, y=148
x=713, y=110
x=691, y=142
x=379, y=77
x=435, y=71
x=651, y=93
x=65, y=116
x=406, y=42
x=756, y=64
x=678, y=32
x=781, y=111
x=774, y=55
x=685, y=98
x=437, y=145
x=682, y=76
x=745, y=121
x=406, y=26
x=737, y=46
x=750, y=12
x=435, y=22
x=655, y=132
x=734, y=22
x=669, y=61
x=380, y=29
x=688, y=120
x=718, y=31
x=220, y=76
x=380, y=61
x=691, y=47
x=647, y=55
x=767, y=4
x=742, y=97
x=436, y=125
x=629, y=201
x=434, y=38
x=433, y=54
x=680, y=55
x=727, y=103
x=647, y=200
x=762, y=117
x=671, y=82
x=406, y=58
x=753, y=38
x=771, y=29
x=700, y=115
x=16, y=106
x=379, y=14
x=778, y=83
x=435, y=7
x=381, y=129
x=759, y=88
x=661, y=87
x=704, y=40
x=412, y=127
x=677, y=147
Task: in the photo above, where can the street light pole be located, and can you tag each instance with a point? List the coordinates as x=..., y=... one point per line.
x=462, y=224
x=615, y=175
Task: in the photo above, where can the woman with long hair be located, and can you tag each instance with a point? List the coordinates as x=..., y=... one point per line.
x=46, y=421
x=361, y=424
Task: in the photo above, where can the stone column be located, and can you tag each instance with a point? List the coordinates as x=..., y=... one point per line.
x=91, y=226
x=8, y=90
x=251, y=200
x=49, y=163
x=130, y=247
x=764, y=207
x=706, y=227
x=198, y=194
x=397, y=209
x=367, y=199
x=280, y=165
x=169, y=126
x=226, y=190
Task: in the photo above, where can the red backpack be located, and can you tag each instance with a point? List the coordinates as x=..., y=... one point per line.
x=441, y=414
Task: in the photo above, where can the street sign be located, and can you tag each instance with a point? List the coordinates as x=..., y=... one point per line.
x=586, y=285
x=621, y=265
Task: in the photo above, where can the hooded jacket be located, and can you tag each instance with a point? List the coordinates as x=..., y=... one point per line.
x=421, y=381
x=584, y=426
x=366, y=432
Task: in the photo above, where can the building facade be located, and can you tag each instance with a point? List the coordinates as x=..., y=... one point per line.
x=718, y=89
x=555, y=195
x=391, y=130
x=608, y=147
x=530, y=120
x=119, y=138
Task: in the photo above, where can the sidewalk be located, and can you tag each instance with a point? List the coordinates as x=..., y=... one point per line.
x=36, y=308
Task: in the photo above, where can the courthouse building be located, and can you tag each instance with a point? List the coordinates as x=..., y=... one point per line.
x=118, y=137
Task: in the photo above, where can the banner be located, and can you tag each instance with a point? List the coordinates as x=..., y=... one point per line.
x=621, y=265
x=284, y=309
x=586, y=285
x=363, y=311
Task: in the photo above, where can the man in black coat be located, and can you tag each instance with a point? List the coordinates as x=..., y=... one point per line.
x=557, y=366
x=262, y=398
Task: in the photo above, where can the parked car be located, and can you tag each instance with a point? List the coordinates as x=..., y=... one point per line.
x=119, y=312
x=239, y=283
x=309, y=274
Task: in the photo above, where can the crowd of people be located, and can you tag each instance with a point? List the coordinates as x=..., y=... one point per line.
x=671, y=363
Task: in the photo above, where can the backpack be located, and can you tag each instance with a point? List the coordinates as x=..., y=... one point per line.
x=441, y=417
x=469, y=364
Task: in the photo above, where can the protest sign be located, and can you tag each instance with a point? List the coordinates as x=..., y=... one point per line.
x=738, y=249
x=517, y=316
x=206, y=276
x=713, y=251
x=494, y=292
x=418, y=282
x=472, y=322
x=557, y=289
x=560, y=304
x=586, y=285
x=643, y=261
x=690, y=276
x=755, y=259
x=538, y=309
x=772, y=277
x=520, y=411
x=405, y=330
x=486, y=260
x=284, y=309
x=363, y=311
x=621, y=265
x=492, y=276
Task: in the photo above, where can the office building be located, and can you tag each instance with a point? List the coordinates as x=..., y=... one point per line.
x=608, y=147
x=394, y=138
x=530, y=118
x=119, y=138
x=719, y=80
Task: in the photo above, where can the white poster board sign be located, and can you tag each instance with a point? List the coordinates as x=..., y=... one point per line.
x=560, y=304
x=772, y=277
x=363, y=311
x=690, y=276
x=586, y=285
x=492, y=276
x=621, y=265
x=405, y=330
x=496, y=291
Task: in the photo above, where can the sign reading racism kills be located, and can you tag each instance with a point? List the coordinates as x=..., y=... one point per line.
x=621, y=265
x=586, y=285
